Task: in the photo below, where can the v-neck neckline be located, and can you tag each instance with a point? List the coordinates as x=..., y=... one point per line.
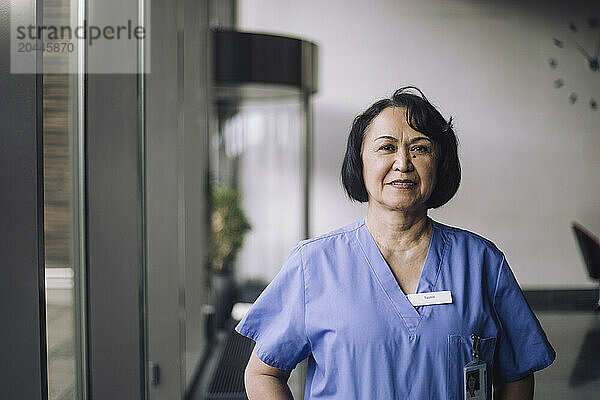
x=427, y=281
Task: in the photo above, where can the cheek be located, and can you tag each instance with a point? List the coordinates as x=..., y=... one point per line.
x=433, y=173
x=429, y=173
x=369, y=177
x=365, y=166
x=433, y=178
x=372, y=167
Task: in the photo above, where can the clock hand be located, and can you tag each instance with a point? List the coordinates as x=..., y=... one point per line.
x=597, y=47
x=585, y=53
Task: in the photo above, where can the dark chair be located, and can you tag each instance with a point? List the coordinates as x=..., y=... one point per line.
x=590, y=250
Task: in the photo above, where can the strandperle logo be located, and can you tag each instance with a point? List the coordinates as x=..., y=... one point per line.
x=89, y=33
x=110, y=37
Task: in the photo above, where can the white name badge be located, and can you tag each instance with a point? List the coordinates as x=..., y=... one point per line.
x=427, y=299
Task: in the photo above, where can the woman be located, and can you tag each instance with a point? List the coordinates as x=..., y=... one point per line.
x=396, y=305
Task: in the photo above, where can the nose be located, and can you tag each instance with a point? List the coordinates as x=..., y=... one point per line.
x=402, y=162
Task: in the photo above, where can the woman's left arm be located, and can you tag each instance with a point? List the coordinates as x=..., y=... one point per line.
x=517, y=390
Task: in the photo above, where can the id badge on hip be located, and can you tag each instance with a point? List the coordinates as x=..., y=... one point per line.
x=475, y=375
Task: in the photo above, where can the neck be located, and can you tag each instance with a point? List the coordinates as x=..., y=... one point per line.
x=401, y=231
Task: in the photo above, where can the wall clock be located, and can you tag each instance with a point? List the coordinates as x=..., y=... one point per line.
x=570, y=46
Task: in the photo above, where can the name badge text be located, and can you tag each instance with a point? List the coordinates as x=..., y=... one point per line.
x=430, y=298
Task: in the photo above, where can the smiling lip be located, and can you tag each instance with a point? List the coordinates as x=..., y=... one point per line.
x=401, y=181
x=402, y=184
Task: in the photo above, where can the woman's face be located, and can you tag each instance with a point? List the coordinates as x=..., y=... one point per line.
x=399, y=163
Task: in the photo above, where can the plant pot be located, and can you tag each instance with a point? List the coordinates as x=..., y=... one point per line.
x=225, y=291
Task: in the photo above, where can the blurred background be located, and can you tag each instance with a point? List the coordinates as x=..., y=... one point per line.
x=144, y=212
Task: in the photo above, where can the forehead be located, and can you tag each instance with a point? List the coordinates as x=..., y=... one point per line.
x=391, y=121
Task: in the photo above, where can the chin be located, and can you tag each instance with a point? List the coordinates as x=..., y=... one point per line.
x=402, y=204
x=406, y=208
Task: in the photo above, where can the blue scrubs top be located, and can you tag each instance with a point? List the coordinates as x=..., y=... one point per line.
x=337, y=302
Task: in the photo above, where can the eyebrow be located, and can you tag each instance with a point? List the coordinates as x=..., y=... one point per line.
x=393, y=139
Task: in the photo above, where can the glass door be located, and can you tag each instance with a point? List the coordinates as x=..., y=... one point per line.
x=62, y=139
x=258, y=151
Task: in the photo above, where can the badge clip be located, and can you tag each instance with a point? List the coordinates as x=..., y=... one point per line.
x=475, y=374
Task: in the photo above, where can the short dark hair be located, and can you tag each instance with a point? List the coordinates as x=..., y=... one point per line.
x=423, y=117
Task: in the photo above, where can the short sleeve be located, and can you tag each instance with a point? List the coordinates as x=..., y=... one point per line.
x=276, y=319
x=522, y=345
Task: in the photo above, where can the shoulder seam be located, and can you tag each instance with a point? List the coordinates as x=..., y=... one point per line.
x=328, y=235
x=487, y=242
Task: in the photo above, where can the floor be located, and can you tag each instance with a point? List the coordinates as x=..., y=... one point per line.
x=575, y=335
x=575, y=374
x=61, y=344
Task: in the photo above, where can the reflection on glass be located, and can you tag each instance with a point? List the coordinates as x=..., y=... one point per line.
x=60, y=213
x=259, y=146
x=259, y=150
x=58, y=232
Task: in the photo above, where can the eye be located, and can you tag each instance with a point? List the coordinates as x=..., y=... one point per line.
x=387, y=147
x=420, y=149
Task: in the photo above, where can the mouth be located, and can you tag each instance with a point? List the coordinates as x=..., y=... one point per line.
x=402, y=183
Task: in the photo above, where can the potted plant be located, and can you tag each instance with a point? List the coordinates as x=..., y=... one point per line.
x=229, y=226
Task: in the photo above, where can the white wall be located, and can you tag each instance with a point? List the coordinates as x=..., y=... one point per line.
x=530, y=159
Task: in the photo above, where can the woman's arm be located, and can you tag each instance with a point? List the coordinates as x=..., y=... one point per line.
x=517, y=390
x=266, y=382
